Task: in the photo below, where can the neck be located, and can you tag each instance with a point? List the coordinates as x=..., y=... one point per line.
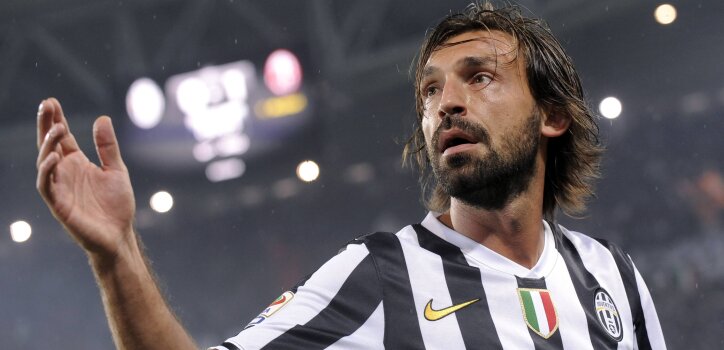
x=515, y=231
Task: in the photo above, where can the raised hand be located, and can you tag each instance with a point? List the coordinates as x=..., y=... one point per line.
x=96, y=206
x=94, y=203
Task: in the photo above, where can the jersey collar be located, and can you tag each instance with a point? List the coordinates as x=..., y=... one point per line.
x=482, y=255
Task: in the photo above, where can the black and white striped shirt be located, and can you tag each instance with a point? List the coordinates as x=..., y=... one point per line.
x=429, y=287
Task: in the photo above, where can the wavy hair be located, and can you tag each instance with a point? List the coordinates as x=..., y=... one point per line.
x=573, y=158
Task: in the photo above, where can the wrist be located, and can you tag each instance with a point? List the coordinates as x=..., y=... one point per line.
x=126, y=257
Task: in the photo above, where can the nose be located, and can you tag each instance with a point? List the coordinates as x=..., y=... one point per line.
x=452, y=100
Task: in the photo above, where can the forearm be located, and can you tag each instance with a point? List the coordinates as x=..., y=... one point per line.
x=95, y=204
x=137, y=313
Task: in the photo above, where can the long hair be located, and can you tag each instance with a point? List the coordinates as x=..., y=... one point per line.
x=573, y=158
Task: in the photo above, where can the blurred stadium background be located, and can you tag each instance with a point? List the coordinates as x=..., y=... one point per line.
x=243, y=225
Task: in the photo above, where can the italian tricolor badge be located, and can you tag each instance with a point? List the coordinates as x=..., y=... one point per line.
x=538, y=311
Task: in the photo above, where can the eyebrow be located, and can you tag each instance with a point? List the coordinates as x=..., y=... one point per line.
x=428, y=71
x=466, y=62
x=474, y=61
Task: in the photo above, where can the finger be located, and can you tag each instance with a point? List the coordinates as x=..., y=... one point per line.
x=45, y=171
x=51, y=142
x=107, y=144
x=68, y=143
x=45, y=121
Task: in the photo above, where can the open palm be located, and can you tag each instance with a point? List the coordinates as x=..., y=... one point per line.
x=94, y=203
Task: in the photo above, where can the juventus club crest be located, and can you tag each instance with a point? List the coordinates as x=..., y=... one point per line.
x=538, y=311
x=607, y=314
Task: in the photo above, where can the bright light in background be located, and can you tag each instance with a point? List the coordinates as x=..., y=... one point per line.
x=215, y=122
x=232, y=144
x=204, y=152
x=20, y=231
x=284, y=106
x=215, y=107
x=145, y=103
x=610, y=107
x=234, y=82
x=224, y=146
x=665, y=14
x=308, y=171
x=161, y=202
x=227, y=169
x=282, y=72
x=193, y=95
x=206, y=119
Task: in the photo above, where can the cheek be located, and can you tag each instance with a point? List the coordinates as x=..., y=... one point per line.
x=429, y=105
x=428, y=128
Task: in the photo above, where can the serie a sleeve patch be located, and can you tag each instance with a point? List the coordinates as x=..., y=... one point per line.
x=275, y=306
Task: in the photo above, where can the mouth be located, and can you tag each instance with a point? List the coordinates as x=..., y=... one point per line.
x=455, y=140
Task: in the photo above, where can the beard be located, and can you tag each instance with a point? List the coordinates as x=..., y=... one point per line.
x=493, y=180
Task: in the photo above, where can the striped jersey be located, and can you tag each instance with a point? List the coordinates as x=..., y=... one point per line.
x=430, y=287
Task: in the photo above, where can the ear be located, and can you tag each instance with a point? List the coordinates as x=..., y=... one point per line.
x=554, y=122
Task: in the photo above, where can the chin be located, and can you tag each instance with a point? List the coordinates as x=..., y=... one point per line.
x=458, y=160
x=461, y=160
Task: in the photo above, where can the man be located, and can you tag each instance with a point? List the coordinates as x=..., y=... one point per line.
x=505, y=129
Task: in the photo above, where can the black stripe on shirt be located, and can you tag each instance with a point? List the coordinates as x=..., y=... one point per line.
x=301, y=283
x=586, y=286
x=628, y=275
x=307, y=277
x=356, y=241
x=554, y=342
x=464, y=284
x=230, y=346
x=402, y=330
x=358, y=297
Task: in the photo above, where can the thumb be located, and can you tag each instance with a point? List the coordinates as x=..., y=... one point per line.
x=107, y=144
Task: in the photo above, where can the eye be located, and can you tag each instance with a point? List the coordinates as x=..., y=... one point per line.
x=430, y=90
x=481, y=79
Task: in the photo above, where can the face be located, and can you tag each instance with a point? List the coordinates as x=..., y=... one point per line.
x=481, y=124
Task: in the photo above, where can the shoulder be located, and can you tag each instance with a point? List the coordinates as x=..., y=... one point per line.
x=599, y=256
x=335, y=300
x=387, y=237
x=585, y=244
x=381, y=242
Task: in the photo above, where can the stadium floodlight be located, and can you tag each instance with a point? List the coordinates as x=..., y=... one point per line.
x=145, y=103
x=161, y=202
x=308, y=171
x=610, y=107
x=665, y=14
x=20, y=231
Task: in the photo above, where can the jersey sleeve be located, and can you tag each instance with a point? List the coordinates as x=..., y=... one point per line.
x=651, y=336
x=330, y=305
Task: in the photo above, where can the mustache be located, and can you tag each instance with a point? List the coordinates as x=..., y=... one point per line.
x=449, y=122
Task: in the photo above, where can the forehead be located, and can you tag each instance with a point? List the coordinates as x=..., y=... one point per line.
x=481, y=43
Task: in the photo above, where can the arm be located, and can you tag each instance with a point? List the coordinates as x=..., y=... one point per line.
x=331, y=309
x=95, y=205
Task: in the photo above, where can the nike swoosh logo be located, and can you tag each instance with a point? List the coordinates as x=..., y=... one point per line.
x=434, y=315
